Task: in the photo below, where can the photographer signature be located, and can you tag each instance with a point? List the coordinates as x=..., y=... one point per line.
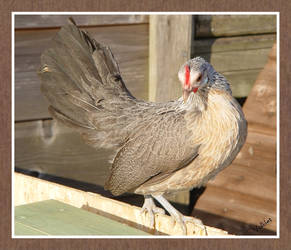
x=263, y=224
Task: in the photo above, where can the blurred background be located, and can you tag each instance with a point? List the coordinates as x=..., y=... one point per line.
x=150, y=50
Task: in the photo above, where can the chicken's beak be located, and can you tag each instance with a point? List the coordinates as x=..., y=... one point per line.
x=186, y=94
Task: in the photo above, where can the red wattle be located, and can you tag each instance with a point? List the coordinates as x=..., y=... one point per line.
x=195, y=90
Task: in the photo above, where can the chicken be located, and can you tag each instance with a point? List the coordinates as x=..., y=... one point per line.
x=159, y=147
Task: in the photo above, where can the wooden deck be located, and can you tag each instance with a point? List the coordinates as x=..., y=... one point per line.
x=55, y=218
x=28, y=190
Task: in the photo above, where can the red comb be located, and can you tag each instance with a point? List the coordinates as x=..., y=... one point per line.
x=187, y=75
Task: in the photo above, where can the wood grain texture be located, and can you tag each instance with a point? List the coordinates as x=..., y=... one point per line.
x=224, y=44
x=240, y=67
x=241, y=81
x=261, y=105
x=52, y=21
x=30, y=189
x=238, y=206
x=47, y=147
x=239, y=59
x=52, y=217
x=111, y=5
x=170, y=44
x=129, y=45
x=234, y=25
x=229, y=61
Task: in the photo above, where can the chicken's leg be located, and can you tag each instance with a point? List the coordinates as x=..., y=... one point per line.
x=176, y=215
x=150, y=207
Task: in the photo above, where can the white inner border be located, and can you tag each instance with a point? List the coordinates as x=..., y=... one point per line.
x=145, y=13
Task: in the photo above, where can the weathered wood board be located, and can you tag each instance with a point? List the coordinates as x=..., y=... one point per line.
x=223, y=44
x=241, y=81
x=239, y=60
x=170, y=46
x=240, y=66
x=52, y=21
x=253, y=168
x=234, y=25
x=235, y=206
x=55, y=218
x=238, y=46
x=261, y=106
x=29, y=189
x=129, y=45
x=206, y=25
x=48, y=147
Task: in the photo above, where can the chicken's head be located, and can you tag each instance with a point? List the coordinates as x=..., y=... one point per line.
x=197, y=75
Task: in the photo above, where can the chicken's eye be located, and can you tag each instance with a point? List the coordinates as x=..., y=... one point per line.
x=199, y=78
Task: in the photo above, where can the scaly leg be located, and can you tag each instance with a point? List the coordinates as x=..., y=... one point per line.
x=176, y=215
x=150, y=207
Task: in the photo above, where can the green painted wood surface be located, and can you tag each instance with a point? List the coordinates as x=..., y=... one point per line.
x=52, y=217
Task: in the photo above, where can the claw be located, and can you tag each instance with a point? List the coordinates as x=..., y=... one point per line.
x=178, y=217
x=197, y=222
x=150, y=207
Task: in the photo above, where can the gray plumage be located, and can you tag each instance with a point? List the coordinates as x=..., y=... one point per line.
x=160, y=147
x=82, y=82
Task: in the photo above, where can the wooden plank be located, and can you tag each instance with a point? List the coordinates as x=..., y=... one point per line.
x=21, y=229
x=51, y=217
x=170, y=44
x=237, y=206
x=242, y=75
x=259, y=151
x=229, y=61
x=248, y=180
x=241, y=81
x=261, y=105
x=52, y=21
x=234, y=25
x=240, y=67
x=47, y=147
x=29, y=189
x=240, y=59
x=214, y=45
x=129, y=45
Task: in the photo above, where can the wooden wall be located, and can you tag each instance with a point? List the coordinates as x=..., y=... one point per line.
x=43, y=146
x=236, y=45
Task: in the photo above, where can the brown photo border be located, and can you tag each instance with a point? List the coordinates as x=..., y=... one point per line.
x=8, y=6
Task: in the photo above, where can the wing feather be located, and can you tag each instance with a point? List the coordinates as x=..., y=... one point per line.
x=152, y=154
